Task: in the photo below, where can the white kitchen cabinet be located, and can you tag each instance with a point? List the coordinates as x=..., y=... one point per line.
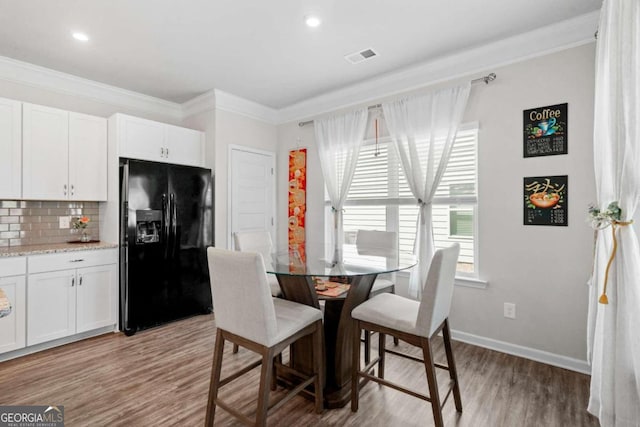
x=12, y=285
x=64, y=155
x=149, y=140
x=87, y=157
x=45, y=150
x=10, y=149
x=52, y=306
x=70, y=293
x=95, y=297
x=141, y=139
x=185, y=146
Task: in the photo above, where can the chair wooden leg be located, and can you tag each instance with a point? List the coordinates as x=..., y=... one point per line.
x=367, y=347
x=355, y=366
x=265, y=382
x=433, y=383
x=396, y=341
x=274, y=373
x=381, y=354
x=235, y=348
x=453, y=373
x=215, y=379
x=318, y=354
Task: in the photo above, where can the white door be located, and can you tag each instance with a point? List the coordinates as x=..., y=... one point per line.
x=251, y=191
x=87, y=157
x=95, y=298
x=10, y=149
x=45, y=151
x=185, y=146
x=12, y=325
x=51, y=309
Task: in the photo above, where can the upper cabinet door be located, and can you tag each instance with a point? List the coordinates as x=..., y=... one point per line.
x=87, y=157
x=10, y=149
x=45, y=150
x=141, y=139
x=185, y=146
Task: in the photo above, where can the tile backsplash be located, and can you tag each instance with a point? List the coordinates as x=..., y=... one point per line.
x=35, y=223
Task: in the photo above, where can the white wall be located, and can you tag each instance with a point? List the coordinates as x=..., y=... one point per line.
x=205, y=122
x=235, y=129
x=543, y=270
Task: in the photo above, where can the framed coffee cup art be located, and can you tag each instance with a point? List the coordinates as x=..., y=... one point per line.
x=545, y=131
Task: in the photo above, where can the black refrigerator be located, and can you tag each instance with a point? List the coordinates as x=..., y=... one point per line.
x=166, y=225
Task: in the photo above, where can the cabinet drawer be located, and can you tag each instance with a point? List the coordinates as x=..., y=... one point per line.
x=13, y=266
x=67, y=260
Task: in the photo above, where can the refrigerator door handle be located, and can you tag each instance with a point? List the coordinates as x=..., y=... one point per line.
x=165, y=224
x=174, y=224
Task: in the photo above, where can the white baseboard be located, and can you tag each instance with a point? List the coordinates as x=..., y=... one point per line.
x=552, y=359
x=55, y=343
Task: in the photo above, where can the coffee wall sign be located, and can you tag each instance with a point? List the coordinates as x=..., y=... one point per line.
x=545, y=131
x=546, y=200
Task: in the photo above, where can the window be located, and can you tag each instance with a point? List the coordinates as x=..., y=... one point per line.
x=380, y=198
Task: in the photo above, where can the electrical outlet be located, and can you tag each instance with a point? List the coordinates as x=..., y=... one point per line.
x=509, y=310
x=64, y=221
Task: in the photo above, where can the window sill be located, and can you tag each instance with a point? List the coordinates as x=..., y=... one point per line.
x=464, y=281
x=471, y=282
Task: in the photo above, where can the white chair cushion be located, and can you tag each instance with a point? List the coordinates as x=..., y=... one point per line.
x=381, y=284
x=391, y=311
x=292, y=317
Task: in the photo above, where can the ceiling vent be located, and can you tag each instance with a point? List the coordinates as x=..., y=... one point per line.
x=363, y=55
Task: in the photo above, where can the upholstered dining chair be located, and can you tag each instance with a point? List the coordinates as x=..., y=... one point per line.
x=377, y=243
x=247, y=314
x=417, y=323
x=260, y=242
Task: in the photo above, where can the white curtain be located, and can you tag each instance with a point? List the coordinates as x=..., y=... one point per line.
x=339, y=139
x=423, y=130
x=614, y=329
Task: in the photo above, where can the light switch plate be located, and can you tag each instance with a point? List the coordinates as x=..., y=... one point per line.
x=64, y=221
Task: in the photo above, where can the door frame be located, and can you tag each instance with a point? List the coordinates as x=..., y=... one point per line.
x=270, y=154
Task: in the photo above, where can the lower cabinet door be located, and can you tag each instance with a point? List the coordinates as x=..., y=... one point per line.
x=51, y=311
x=12, y=313
x=96, y=297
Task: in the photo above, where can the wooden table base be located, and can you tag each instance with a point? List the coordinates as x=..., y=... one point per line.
x=337, y=333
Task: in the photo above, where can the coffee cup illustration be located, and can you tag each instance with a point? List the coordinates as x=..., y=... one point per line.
x=546, y=125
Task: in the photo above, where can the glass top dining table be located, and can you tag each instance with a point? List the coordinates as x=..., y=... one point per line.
x=297, y=271
x=350, y=262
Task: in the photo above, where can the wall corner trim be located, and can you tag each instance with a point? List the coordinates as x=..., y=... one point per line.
x=536, y=355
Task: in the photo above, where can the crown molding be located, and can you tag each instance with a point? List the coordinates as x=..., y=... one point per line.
x=543, y=41
x=235, y=104
x=199, y=104
x=36, y=76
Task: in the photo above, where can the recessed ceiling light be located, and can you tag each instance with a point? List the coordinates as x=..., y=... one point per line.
x=312, y=21
x=81, y=37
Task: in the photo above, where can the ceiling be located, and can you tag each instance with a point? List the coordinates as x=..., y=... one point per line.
x=258, y=50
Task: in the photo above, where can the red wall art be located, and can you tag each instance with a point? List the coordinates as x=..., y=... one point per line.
x=297, y=201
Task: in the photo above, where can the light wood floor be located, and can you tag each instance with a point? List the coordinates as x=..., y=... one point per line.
x=160, y=377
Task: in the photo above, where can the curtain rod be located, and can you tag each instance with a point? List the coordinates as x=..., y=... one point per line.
x=486, y=79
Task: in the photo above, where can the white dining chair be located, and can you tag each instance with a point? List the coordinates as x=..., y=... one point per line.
x=377, y=243
x=247, y=314
x=417, y=323
x=260, y=242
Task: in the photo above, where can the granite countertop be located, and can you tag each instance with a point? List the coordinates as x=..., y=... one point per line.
x=53, y=248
